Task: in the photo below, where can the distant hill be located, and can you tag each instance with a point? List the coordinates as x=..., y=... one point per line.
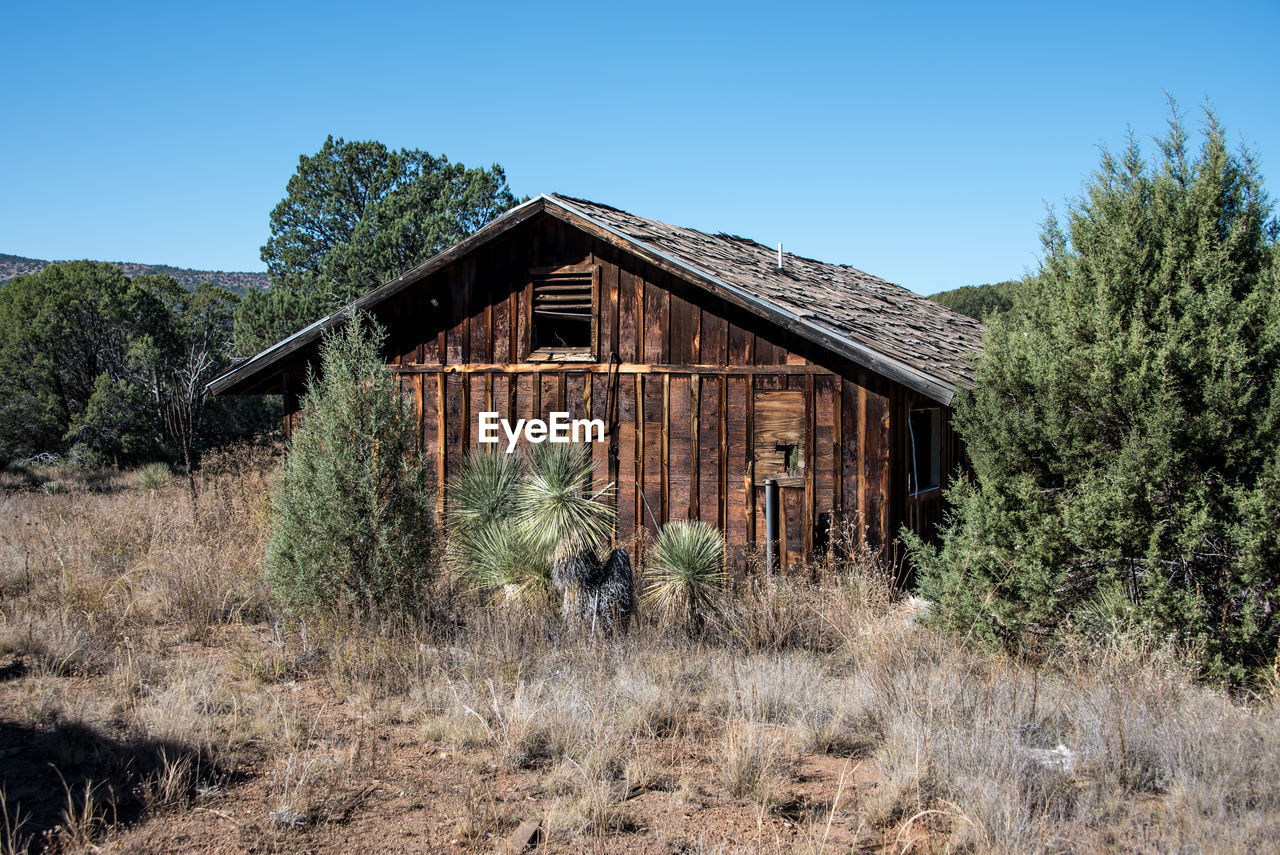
x=16, y=265
x=978, y=301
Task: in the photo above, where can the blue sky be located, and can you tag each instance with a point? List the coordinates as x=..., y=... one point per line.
x=919, y=142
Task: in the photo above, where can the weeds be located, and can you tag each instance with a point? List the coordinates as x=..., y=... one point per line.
x=152, y=626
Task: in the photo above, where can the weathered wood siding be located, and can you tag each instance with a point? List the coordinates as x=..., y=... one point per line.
x=687, y=371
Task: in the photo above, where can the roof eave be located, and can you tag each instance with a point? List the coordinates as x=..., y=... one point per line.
x=243, y=374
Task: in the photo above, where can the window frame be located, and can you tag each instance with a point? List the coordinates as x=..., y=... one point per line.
x=569, y=272
x=914, y=488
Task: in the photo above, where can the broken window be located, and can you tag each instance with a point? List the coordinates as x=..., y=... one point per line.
x=564, y=314
x=925, y=427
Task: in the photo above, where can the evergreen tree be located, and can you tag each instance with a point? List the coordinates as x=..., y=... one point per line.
x=352, y=522
x=356, y=214
x=978, y=301
x=1125, y=425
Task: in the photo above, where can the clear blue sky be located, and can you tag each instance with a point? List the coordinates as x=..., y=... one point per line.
x=919, y=142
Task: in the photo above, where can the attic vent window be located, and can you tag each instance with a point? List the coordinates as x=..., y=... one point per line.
x=564, y=314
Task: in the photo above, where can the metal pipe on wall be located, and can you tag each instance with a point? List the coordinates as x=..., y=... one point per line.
x=771, y=523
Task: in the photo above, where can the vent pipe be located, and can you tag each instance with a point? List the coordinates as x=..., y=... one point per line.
x=779, y=256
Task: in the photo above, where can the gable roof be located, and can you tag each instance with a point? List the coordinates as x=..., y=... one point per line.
x=857, y=316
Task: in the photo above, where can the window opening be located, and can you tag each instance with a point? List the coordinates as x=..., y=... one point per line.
x=925, y=427
x=563, y=314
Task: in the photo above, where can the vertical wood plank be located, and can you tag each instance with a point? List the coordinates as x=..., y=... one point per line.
x=456, y=429
x=682, y=452
x=641, y=322
x=826, y=446
x=792, y=548
x=665, y=487
x=608, y=304
x=837, y=440
x=552, y=394
x=472, y=406
x=594, y=406
x=809, y=513
x=766, y=352
x=722, y=465
x=628, y=324
x=575, y=395
x=740, y=346
x=442, y=443
x=641, y=440
x=713, y=331
x=654, y=422
x=501, y=319
x=418, y=405
x=751, y=454
x=695, y=447
x=656, y=323
x=737, y=468
x=875, y=452
x=684, y=332
x=628, y=457
x=528, y=389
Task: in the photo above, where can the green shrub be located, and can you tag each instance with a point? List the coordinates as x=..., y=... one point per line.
x=352, y=521
x=1125, y=423
x=152, y=476
x=684, y=571
x=555, y=506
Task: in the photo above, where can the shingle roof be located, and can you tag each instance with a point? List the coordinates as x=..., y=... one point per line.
x=856, y=315
x=846, y=302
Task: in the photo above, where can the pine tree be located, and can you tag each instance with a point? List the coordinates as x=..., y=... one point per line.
x=1125, y=425
x=352, y=524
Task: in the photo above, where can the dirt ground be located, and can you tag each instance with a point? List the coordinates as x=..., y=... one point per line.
x=154, y=698
x=402, y=791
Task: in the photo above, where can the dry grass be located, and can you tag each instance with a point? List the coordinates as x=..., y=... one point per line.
x=808, y=716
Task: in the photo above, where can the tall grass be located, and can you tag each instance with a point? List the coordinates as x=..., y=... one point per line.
x=147, y=619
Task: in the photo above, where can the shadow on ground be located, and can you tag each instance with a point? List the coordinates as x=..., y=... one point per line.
x=72, y=775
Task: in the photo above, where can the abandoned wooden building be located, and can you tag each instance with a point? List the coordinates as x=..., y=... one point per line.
x=716, y=363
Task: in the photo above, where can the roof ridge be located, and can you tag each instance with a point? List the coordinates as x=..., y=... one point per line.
x=735, y=238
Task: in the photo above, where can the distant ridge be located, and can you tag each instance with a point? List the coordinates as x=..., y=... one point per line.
x=240, y=283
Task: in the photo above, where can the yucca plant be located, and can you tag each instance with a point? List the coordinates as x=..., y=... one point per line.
x=685, y=572
x=511, y=516
x=485, y=544
x=153, y=475
x=555, y=507
x=502, y=557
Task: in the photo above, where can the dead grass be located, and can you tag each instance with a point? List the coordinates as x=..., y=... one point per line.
x=814, y=714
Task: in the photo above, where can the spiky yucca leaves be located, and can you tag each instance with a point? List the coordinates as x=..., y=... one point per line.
x=555, y=506
x=502, y=556
x=485, y=545
x=511, y=516
x=484, y=490
x=685, y=571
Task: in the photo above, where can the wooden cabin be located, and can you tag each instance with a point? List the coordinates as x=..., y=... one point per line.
x=715, y=362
